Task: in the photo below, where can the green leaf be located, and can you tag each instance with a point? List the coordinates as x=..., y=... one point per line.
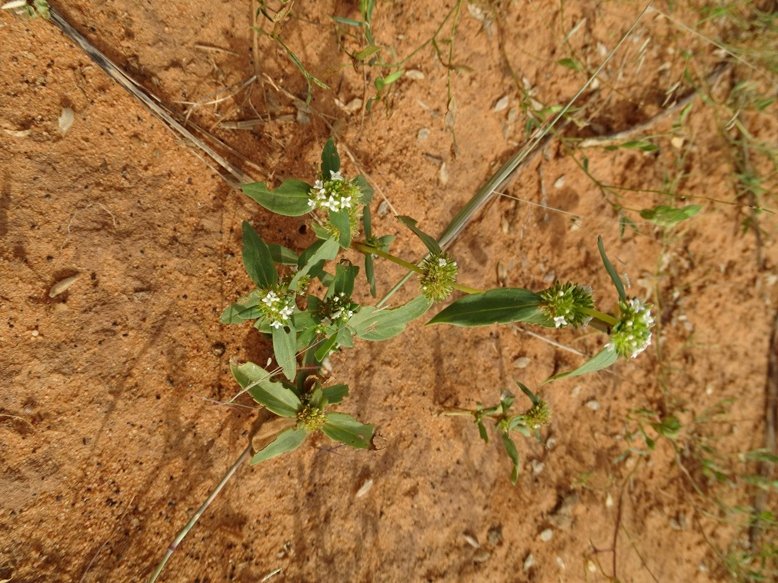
x=482, y=430
x=366, y=9
x=494, y=306
x=305, y=324
x=285, y=350
x=275, y=396
x=642, y=145
x=513, y=453
x=571, y=63
x=288, y=440
x=367, y=227
x=247, y=373
x=237, y=313
x=346, y=429
x=667, y=216
x=382, y=82
x=330, y=161
x=367, y=52
x=282, y=255
x=370, y=273
x=327, y=345
x=335, y=393
x=345, y=338
x=668, y=427
x=290, y=199
x=605, y=358
x=345, y=274
x=429, y=242
x=313, y=257
x=371, y=323
x=526, y=390
x=365, y=189
x=611, y=271
x=348, y=21
x=342, y=222
x=257, y=259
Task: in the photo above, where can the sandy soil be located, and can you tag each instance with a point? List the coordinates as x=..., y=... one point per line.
x=111, y=428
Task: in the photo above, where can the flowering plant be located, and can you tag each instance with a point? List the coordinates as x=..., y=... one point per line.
x=309, y=313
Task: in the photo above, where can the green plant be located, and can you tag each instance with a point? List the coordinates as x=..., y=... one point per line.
x=309, y=313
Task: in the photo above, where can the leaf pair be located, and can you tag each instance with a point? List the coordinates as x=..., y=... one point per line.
x=285, y=402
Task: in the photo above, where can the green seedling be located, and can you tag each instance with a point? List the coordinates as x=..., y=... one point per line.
x=527, y=423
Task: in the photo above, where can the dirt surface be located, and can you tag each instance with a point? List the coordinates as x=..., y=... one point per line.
x=112, y=429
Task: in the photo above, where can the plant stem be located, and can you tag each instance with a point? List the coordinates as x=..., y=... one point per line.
x=601, y=316
x=196, y=516
x=370, y=250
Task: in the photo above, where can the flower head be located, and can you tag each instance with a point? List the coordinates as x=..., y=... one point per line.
x=439, y=274
x=566, y=304
x=632, y=334
x=277, y=306
x=334, y=194
x=337, y=310
x=538, y=415
x=311, y=418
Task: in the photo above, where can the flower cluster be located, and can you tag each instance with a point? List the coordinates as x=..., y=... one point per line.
x=538, y=415
x=311, y=418
x=632, y=334
x=337, y=310
x=277, y=306
x=439, y=274
x=335, y=194
x=567, y=304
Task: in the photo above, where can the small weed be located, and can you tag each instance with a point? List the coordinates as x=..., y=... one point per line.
x=305, y=328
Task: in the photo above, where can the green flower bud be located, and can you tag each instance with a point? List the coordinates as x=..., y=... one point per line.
x=632, y=334
x=311, y=418
x=439, y=274
x=565, y=303
x=538, y=415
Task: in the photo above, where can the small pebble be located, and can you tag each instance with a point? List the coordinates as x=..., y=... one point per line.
x=443, y=174
x=559, y=182
x=560, y=562
x=494, y=536
x=609, y=501
x=471, y=540
x=365, y=488
x=414, y=74
x=218, y=348
x=537, y=467
x=551, y=443
x=423, y=134
x=529, y=562
x=590, y=566
x=66, y=119
x=677, y=142
x=501, y=104
x=522, y=362
x=35, y=333
x=481, y=556
x=62, y=285
x=546, y=535
x=383, y=209
x=593, y=404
